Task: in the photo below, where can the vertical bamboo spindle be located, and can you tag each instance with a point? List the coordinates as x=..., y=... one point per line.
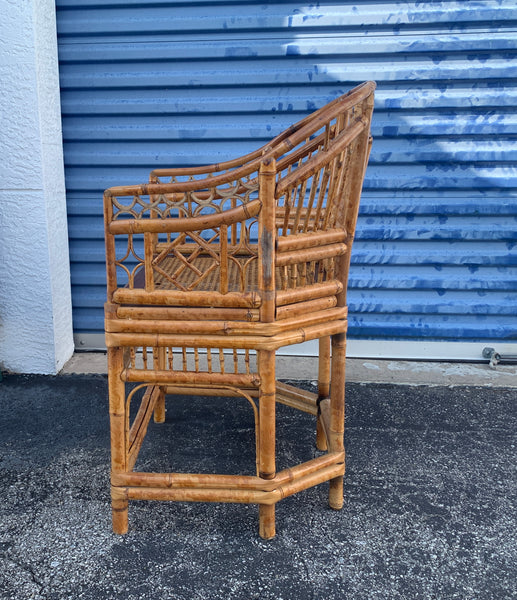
x=149, y=242
x=119, y=505
x=337, y=413
x=266, y=358
x=323, y=387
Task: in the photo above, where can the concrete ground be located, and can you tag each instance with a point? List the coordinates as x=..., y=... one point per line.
x=430, y=498
x=358, y=370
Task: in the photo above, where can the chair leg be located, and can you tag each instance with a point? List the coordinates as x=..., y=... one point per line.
x=267, y=468
x=159, y=408
x=323, y=387
x=267, y=521
x=119, y=514
x=117, y=412
x=337, y=413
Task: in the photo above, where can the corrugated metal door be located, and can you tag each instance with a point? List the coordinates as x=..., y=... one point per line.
x=167, y=83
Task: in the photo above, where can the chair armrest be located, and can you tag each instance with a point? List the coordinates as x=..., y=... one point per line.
x=176, y=225
x=207, y=170
x=209, y=182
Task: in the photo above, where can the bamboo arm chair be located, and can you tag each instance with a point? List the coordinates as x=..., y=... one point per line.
x=245, y=256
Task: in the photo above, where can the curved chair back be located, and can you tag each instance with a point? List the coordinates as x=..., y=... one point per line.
x=251, y=233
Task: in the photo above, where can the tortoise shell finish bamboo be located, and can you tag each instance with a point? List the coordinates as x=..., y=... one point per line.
x=210, y=270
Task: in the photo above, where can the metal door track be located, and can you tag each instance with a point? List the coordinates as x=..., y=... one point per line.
x=495, y=358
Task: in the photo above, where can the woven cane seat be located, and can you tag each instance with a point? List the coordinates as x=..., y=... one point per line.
x=203, y=275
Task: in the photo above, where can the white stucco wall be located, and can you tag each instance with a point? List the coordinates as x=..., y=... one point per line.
x=35, y=300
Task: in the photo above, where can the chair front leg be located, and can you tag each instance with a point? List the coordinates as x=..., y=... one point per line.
x=117, y=410
x=267, y=467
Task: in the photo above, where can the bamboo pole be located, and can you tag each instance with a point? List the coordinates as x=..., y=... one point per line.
x=297, y=256
x=148, y=399
x=159, y=409
x=266, y=256
x=196, y=390
x=266, y=366
x=237, y=482
x=285, y=394
x=206, y=169
x=148, y=260
x=228, y=328
x=119, y=510
x=140, y=424
x=170, y=313
x=241, y=342
x=328, y=473
x=300, y=153
x=310, y=239
x=116, y=389
x=266, y=462
x=296, y=397
x=170, y=225
x=325, y=115
x=324, y=421
x=178, y=298
x=308, y=292
x=111, y=269
x=322, y=158
x=110, y=313
x=189, y=248
x=303, y=308
x=265, y=499
x=279, y=146
x=337, y=413
x=223, y=259
x=184, y=377
x=356, y=179
x=323, y=387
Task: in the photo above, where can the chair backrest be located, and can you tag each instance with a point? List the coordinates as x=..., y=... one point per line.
x=235, y=235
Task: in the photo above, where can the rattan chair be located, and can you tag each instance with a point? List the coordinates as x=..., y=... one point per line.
x=211, y=269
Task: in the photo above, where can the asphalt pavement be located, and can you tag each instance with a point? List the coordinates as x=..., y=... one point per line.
x=429, y=513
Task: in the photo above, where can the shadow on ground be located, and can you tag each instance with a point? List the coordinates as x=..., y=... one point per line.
x=430, y=497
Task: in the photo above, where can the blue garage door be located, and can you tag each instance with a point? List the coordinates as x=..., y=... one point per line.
x=162, y=83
